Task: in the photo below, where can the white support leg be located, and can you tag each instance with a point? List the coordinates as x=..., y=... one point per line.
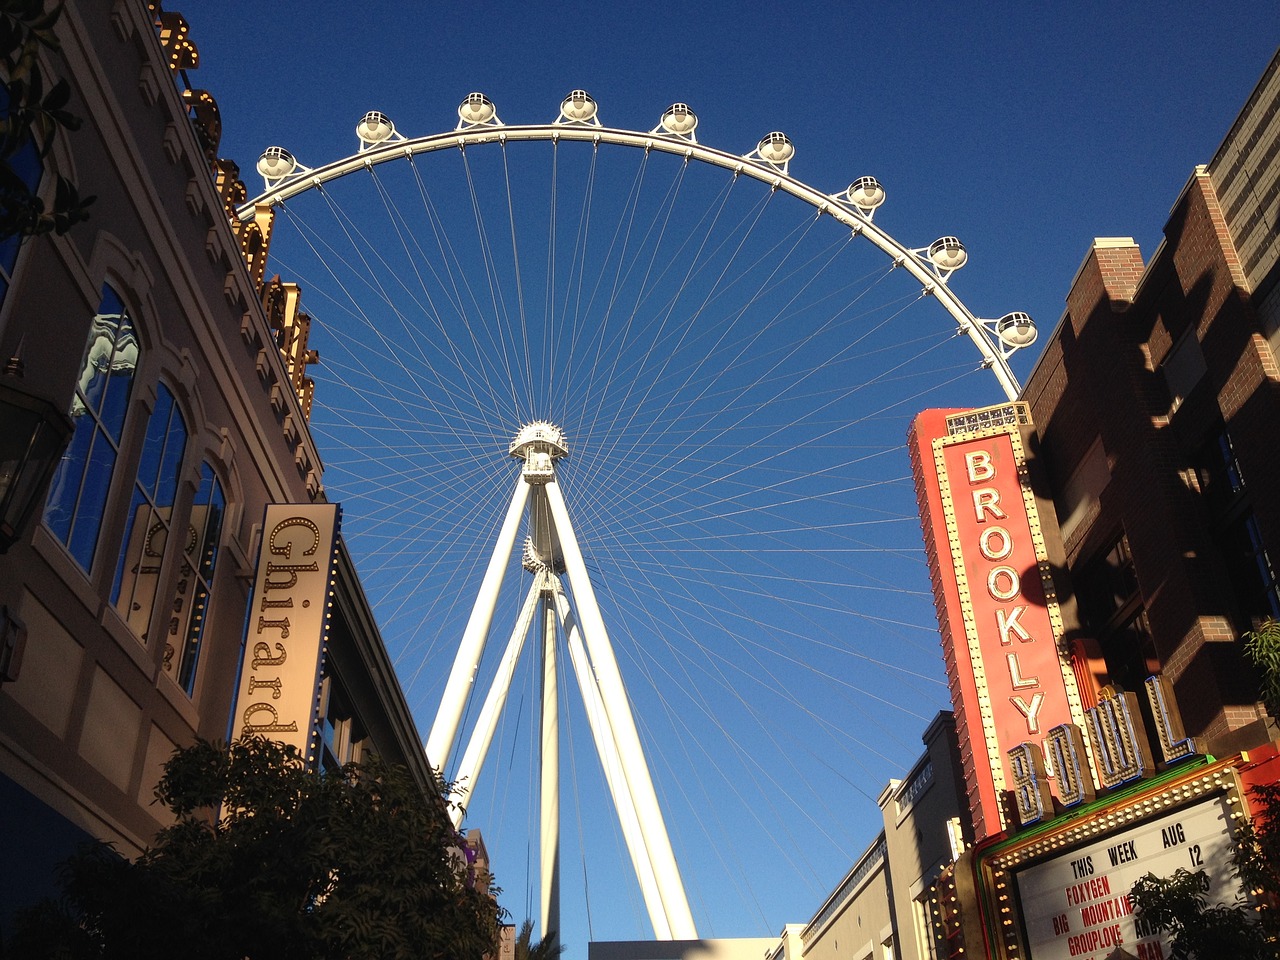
x=482, y=734
x=444, y=731
x=617, y=708
x=549, y=858
x=607, y=750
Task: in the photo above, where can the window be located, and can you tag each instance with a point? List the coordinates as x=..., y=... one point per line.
x=1250, y=572
x=1183, y=368
x=1269, y=315
x=147, y=527
x=1111, y=604
x=78, y=493
x=1083, y=489
x=195, y=582
x=342, y=737
x=1108, y=585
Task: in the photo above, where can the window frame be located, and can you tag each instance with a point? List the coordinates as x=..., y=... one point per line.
x=1252, y=577
x=110, y=422
x=157, y=456
x=122, y=421
x=197, y=570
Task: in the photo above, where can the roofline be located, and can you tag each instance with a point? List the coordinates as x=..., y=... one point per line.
x=1271, y=68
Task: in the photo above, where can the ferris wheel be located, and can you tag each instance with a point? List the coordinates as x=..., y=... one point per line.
x=645, y=400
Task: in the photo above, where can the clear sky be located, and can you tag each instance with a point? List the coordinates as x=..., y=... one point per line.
x=1025, y=130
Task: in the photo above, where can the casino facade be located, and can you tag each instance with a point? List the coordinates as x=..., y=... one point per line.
x=188, y=577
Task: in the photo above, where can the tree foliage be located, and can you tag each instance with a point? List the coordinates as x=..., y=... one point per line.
x=1262, y=646
x=1178, y=904
x=544, y=949
x=31, y=112
x=1257, y=854
x=268, y=859
x=1199, y=930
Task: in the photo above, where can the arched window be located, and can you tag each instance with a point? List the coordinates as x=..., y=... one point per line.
x=78, y=493
x=195, y=582
x=147, y=528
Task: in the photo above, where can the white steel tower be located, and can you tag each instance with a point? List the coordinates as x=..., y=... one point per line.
x=551, y=553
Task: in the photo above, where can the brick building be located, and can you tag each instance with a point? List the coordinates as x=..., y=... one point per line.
x=1149, y=447
x=1156, y=401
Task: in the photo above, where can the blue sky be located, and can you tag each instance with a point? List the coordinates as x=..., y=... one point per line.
x=1024, y=130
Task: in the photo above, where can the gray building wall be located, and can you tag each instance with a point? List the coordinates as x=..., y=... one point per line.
x=1246, y=177
x=883, y=908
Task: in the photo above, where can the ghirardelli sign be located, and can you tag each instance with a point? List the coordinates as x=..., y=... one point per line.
x=997, y=609
x=288, y=623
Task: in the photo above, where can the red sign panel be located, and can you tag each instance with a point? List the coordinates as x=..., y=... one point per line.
x=1000, y=622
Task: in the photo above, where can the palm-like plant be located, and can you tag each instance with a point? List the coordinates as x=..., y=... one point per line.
x=544, y=949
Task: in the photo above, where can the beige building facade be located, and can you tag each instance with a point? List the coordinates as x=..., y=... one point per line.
x=884, y=908
x=123, y=607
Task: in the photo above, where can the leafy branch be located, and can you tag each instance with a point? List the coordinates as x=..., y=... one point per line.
x=1179, y=904
x=270, y=858
x=33, y=112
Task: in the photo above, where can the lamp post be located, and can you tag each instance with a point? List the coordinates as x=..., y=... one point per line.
x=33, y=434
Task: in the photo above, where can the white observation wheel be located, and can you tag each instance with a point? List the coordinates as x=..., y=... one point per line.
x=704, y=381
x=284, y=178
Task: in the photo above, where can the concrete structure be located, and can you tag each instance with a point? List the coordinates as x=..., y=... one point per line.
x=884, y=908
x=1245, y=175
x=184, y=370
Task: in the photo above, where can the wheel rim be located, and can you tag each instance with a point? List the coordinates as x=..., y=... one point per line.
x=726, y=515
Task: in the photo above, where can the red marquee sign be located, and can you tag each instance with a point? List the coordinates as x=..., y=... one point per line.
x=998, y=614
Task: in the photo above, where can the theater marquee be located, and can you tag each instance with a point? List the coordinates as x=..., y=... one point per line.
x=288, y=625
x=1077, y=905
x=997, y=610
x=1064, y=892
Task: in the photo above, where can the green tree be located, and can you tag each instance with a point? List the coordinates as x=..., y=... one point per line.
x=31, y=112
x=269, y=860
x=1199, y=930
x=1257, y=854
x=1262, y=646
x=544, y=949
x=1178, y=904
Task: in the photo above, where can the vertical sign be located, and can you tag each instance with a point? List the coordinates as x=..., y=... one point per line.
x=287, y=624
x=997, y=610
